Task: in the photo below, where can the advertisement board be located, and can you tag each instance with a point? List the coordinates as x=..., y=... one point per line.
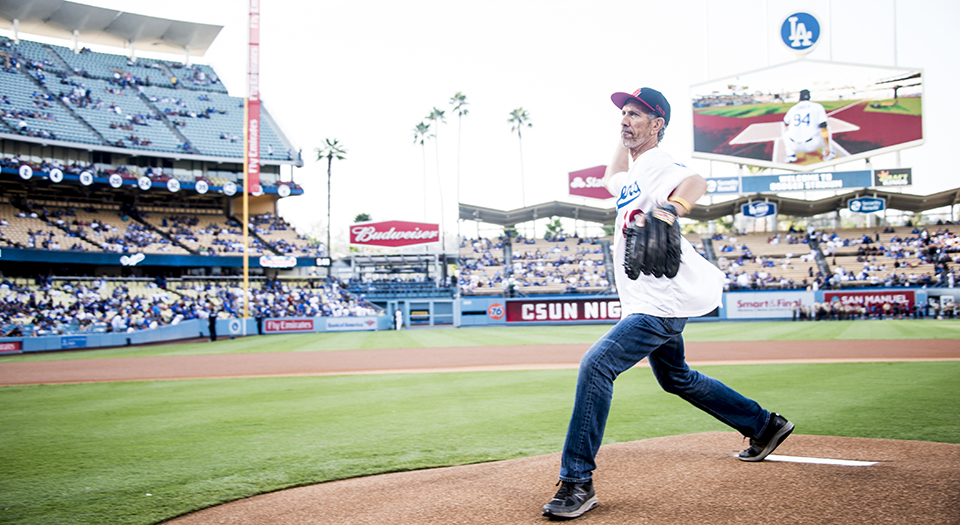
x=278, y=261
x=867, y=204
x=73, y=341
x=588, y=183
x=393, y=234
x=539, y=310
x=894, y=178
x=869, y=298
x=758, y=209
x=275, y=326
x=765, y=305
x=772, y=117
x=10, y=347
x=350, y=324
x=814, y=181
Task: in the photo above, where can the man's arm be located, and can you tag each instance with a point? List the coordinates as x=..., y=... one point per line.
x=687, y=193
x=619, y=163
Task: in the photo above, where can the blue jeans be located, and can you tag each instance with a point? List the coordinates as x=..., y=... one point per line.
x=660, y=341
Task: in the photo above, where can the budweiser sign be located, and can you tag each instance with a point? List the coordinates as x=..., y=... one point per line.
x=589, y=183
x=393, y=233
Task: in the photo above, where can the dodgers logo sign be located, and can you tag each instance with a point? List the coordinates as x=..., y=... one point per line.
x=800, y=32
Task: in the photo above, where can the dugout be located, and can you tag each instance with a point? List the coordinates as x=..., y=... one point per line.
x=416, y=284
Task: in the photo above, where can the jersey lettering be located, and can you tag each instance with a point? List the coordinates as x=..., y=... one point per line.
x=628, y=194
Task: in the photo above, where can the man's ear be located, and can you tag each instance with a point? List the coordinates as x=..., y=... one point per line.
x=658, y=125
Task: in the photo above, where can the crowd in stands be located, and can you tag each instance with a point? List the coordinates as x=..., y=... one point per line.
x=556, y=267
x=222, y=237
x=925, y=256
x=922, y=258
x=102, y=234
x=102, y=305
x=113, y=81
x=268, y=224
x=836, y=311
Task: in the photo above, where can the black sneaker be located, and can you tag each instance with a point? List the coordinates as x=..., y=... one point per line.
x=778, y=428
x=571, y=501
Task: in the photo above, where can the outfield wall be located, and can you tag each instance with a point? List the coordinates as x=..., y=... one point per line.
x=605, y=309
x=484, y=311
x=191, y=329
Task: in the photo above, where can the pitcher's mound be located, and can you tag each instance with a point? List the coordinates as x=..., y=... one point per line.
x=691, y=479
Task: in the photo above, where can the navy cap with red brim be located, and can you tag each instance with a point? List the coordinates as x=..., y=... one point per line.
x=649, y=97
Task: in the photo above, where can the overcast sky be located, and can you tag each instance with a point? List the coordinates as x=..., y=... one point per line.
x=367, y=72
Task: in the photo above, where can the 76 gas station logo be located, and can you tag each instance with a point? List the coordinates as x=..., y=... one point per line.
x=496, y=311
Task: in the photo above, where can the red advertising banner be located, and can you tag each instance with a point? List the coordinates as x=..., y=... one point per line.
x=868, y=298
x=526, y=311
x=252, y=113
x=10, y=347
x=393, y=233
x=287, y=325
x=589, y=183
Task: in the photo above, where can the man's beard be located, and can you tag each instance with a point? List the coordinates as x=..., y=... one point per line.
x=630, y=142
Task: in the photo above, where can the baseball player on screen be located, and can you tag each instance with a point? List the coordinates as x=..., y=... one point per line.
x=661, y=280
x=805, y=129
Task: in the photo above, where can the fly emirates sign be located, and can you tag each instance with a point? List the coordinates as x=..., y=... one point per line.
x=393, y=234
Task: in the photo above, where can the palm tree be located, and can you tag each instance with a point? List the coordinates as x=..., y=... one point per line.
x=421, y=132
x=331, y=149
x=458, y=101
x=518, y=119
x=436, y=116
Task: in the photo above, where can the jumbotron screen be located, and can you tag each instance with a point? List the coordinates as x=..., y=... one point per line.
x=807, y=114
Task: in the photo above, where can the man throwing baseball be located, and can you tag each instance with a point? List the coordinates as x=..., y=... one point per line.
x=662, y=281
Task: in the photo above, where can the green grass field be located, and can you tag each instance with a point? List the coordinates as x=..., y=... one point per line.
x=900, y=106
x=758, y=110
x=91, y=453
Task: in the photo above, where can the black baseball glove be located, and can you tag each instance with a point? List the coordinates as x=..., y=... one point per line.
x=653, y=246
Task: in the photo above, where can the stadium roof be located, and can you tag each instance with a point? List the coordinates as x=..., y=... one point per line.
x=96, y=25
x=785, y=206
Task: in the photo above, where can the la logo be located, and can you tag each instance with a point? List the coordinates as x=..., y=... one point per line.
x=799, y=36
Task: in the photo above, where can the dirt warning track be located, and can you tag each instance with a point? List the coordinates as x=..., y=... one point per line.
x=405, y=360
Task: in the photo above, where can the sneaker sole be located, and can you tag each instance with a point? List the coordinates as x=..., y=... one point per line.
x=773, y=444
x=589, y=505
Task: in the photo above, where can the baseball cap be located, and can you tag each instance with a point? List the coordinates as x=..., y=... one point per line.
x=804, y=94
x=649, y=97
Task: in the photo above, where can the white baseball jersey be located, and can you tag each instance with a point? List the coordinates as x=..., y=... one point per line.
x=803, y=121
x=698, y=287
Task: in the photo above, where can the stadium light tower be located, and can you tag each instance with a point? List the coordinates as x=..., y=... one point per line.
x=251, y=141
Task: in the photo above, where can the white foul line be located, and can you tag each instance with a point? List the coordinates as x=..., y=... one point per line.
x=820, y=461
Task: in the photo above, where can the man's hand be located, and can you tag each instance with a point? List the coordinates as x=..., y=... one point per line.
x=653, y=244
